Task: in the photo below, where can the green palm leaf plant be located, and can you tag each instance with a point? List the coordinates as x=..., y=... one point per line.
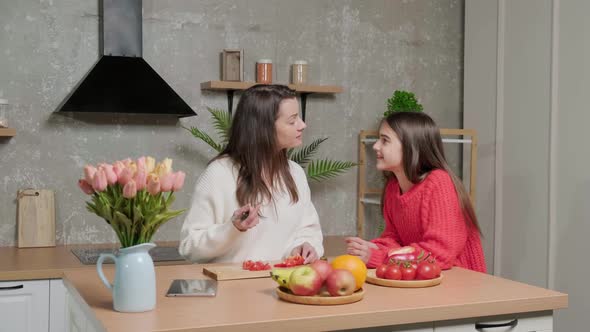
x=317, y=170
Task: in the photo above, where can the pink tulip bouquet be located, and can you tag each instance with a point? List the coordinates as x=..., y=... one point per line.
x=133, y=196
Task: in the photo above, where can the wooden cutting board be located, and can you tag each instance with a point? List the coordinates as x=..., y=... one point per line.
x=36, y=218
x=232, y=272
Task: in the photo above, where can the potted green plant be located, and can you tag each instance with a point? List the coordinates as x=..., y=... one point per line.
x=317, y=170
x=402, y=101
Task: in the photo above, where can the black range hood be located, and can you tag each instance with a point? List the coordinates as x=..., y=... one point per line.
x=122, y=81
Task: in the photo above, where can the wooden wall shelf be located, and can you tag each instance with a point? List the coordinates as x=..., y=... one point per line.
x=7, y=132
x=303, y=90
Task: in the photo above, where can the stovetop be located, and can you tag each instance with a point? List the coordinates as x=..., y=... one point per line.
x=89, y=256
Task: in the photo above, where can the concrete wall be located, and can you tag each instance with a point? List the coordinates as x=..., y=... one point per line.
x=369, y=47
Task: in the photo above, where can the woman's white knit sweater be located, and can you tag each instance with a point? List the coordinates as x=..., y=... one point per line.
x=208, y=235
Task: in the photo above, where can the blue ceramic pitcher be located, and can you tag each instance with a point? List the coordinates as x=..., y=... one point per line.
x=134, y=288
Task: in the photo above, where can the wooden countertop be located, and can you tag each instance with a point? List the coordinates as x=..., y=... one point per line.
x=51, y=262
x=252, y=305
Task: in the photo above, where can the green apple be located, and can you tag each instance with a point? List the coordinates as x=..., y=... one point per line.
x=305, y=281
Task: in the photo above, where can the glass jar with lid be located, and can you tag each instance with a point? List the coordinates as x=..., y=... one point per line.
x=264, y=71
x=299, y=72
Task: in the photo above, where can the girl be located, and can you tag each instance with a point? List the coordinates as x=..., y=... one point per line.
x=425, y=206
x=252, y=202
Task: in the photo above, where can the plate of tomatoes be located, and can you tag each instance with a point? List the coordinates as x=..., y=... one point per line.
x=406, y=274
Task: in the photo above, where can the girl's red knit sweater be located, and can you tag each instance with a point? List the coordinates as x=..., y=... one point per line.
x=429, y=217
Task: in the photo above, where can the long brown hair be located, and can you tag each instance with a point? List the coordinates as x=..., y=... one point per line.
x=422, y=152
x=253, y=145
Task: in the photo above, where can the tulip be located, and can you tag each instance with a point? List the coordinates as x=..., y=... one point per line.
x=166, y=182
x=125, y=176
x=140, y=178
x=164, y=167
x=141, y=162
x=85, y=186
x=178, y=181
x=89, y=172
x=109, y=172
x=99, y=182
x=118, y=167
x=153, y=184
x=130, y=189
x=150, y=164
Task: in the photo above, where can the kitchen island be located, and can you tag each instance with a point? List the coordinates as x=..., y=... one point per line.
x=463, y=298
x=252, y=305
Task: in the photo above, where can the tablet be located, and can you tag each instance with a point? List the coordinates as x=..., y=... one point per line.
x=193, y=287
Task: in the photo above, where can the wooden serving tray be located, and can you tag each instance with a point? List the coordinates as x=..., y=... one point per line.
x=233, y=272
x=321, y=300
x=372, y=279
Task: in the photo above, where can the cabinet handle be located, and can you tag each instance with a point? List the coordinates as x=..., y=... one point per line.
x=511, y=323
x=11, y=287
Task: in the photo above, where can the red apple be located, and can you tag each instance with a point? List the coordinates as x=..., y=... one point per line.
x=340, y=283
x=323, y=268
x=305, y=281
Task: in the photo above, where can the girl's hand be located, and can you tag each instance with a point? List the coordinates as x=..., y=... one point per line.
x=246, y=217
x=306, y=251
x=359, y=247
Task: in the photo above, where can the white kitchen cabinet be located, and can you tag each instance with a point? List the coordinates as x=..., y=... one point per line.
x=524, y=322
x=24, y=306
x=79, y=320
x=58, y=315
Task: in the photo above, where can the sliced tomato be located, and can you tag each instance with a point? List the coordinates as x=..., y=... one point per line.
x=294, y=260
x=280, y=265
x=247, y=265
x=255, y=265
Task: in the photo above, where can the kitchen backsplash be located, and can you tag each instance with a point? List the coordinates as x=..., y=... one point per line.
x=369, y=47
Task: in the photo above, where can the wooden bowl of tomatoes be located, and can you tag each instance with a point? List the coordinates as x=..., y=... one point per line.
x=406, y=274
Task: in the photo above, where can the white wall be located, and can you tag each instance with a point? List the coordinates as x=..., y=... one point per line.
x=526, y=71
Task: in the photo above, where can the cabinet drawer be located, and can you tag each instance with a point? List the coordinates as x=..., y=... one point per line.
x=523, y=322
x=24, y=305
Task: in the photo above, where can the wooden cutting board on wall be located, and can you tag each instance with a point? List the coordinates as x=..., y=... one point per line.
x=35, y=218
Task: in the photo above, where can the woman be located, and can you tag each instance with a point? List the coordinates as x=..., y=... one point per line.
x=252, y=203
x=425, y=206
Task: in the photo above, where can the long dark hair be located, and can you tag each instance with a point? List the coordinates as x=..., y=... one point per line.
x=422, y=152
x=253, y=145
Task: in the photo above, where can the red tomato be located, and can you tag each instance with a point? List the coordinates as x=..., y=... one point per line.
x=425, y=271
x=255, y=266
x=408, y=272
x=380, y=272
x=393, y=272
x=291, y=261
x=246, y=265
x=437, y=269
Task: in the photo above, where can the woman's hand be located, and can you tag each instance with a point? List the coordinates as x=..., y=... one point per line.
x=359, y=247
x=246, y=217
x=306, y=251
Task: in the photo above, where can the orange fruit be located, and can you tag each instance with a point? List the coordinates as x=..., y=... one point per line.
x=353, y=264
